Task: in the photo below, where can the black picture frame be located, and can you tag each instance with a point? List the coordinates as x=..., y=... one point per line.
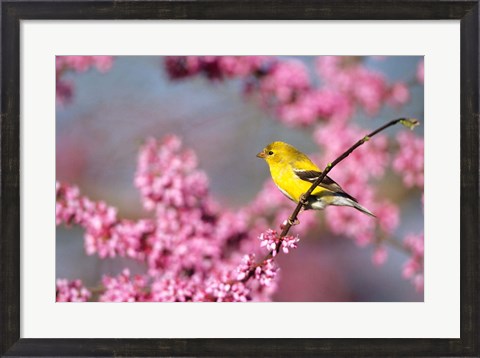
x=13, y=12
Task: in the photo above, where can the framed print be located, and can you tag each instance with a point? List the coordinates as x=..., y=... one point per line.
x=173, y=187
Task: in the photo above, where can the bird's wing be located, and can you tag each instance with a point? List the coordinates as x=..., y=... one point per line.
x=327, y=182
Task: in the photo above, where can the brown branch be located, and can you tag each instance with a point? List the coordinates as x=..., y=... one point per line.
x=410, y=123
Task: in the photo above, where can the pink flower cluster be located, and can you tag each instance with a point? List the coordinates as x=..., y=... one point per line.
x=193, y=250
x=420, y=71
x=166, y=175
x=409, y=160
x=284, y=86
x=227, y=292
x=362, y=86
x=71, y=291
x=215, y=67
x=264, y=273
x=380, y=255
x=413, y=268
x=64, y=64
x=186, y=216
x=270, y=239
x=124, y=288
x=368, y=161
x=83, y=63
x=105, y=234
x=283, y=83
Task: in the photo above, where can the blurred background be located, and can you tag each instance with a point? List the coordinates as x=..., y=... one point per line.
x=99, y=132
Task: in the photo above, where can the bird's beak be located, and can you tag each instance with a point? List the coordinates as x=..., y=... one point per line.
x=261, y=155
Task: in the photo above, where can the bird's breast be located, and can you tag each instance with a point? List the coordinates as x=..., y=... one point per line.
x=288, y=183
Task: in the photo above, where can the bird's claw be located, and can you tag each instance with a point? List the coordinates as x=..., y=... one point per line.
x=303, y=200
x=294, y=222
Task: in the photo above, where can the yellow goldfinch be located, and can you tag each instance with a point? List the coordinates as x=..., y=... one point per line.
x=293, y=173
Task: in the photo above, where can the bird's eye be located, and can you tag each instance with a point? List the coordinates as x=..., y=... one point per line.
x=270, y=153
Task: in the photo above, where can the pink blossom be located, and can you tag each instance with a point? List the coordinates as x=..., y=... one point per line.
x=99, y=219
x=352, y=223
x=71, y=291
x=399, y=94
x=367, y=88
x=177, y=289
x=418, y=282
x=186, y=221
x=79, y=64
x=221, y=291
x=270, y=239
x=182, y=66
x=413, y=268
x=266, y=273
x=132, y=238
x=76, y=63
x=242, y=270
x=420, y=71
x=103, y=63
x=72, y=153
x=64, y=91
x=409, y=160
x=328, y=67
x=415, y=244
x=410, y=268
x=388, y=216
x=370, y=90
x=242, y=66
x=379, y=256
x=124, y=288
x=105, y=234
x=348, y=75
x=83, y=63
x=68, y=207
x=214, y=67
x=229, y=284
x=314, y=106
x=369, y=160
x=289, y=242
x=334, y=106
x=167, y=175
x=284, y=82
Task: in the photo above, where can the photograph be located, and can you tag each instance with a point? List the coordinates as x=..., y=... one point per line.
x=216, y=164
x=239, y=178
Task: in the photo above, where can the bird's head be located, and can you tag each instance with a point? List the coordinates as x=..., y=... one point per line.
x=277, y=152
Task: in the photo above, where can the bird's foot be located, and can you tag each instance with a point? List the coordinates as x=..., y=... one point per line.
x=303, y=200
x=294, y=222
